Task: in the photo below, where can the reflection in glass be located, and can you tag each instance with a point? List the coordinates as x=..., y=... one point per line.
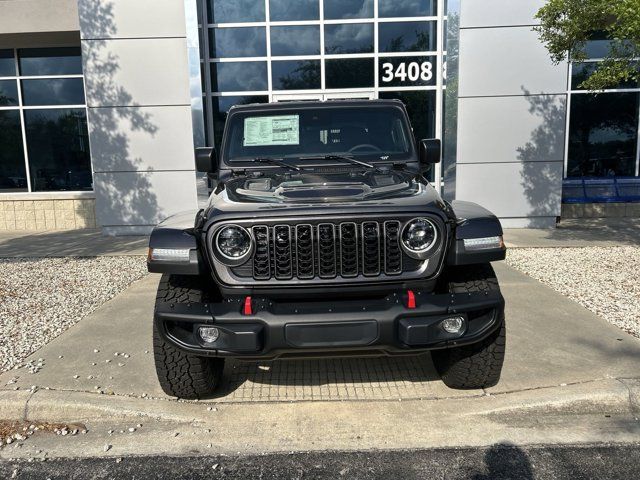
x=232, y=11
x=603, y=134
x=8, y=94
x=348, y=38
x=7, y=63
x=237, y=42
x=349, y=73
x=50, y=61
x=337, y=9
x=238, y=76
x=221, y=106
x=406, y=8
x=13, y=177
x=295, y=74
x=58, y=147
x=53, y=91
x=582, y=71
x=407, y=36
x=286, y=10
x=298, y=40
x=421, y=107
x=407, y=71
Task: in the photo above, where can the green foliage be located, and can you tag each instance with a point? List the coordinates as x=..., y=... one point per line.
x=567, y=25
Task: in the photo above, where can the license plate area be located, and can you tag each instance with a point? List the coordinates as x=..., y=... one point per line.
x=331, y=334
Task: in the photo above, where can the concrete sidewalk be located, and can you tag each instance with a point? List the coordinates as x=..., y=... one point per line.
x=560, y=359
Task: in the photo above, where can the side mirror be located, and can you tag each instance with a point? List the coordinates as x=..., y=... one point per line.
x=206, y=160
x=430, y=151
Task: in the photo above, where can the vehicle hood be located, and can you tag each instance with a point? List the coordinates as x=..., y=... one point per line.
x=325, y=191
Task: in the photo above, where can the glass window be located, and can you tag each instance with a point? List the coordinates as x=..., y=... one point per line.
x=349, y=73
x=239, y=76
x=58, y=147
x=348, y=38
x=295, y=74
x=337, y=9
x=234, y=11
x=407, y=36
x=406, y=8
x=286, y=10
x=7, y=63
x=221, y=106
x=50, y=61
x=407, y=71
x=238, y=42
x=8, y=93
x=298, y=40
x=13, y=177
x=581, y=71
x=53, y=91
x=603, y=135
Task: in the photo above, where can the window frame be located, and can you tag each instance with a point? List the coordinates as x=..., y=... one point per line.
x=21, y=107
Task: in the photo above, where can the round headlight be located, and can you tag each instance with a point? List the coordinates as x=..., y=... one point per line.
x=233, y=242
x=419, y=235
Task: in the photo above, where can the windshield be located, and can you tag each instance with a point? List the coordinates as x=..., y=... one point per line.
x=364, y=132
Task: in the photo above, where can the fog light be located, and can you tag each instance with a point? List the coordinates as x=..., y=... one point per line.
x=453, y=324
x=208, y=334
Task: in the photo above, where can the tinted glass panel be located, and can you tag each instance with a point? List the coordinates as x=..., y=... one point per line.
x=581, y=71
x=238, y=42
x=221, y=106
x=603, y=134
x=421, y=107
x=348, y=38
x=335, y=9
x=296, y=74
x=7, y=63
x=407, y=36
x=56, y=91
x=8, y=93
x=282, y=10
x=13, y=177
x=406, y=8
x=301, y=40
x=407, y=71
x=349, y=73
x=50, y=61
x=58, y=146
x=239, y=76
x=232, y=11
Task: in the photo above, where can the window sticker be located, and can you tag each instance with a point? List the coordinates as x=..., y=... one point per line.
x=276, y=130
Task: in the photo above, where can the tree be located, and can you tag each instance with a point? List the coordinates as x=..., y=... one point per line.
x=567, y=25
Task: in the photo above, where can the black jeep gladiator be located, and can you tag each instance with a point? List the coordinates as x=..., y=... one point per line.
x=322, y=237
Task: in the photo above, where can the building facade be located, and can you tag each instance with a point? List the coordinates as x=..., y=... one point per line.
x=102, y=102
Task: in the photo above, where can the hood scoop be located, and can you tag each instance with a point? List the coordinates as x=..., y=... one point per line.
x=324, y=192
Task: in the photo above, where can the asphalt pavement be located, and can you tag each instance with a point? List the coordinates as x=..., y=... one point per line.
x=494, y=462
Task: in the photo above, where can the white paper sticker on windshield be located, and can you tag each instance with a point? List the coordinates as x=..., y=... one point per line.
x=277, y=130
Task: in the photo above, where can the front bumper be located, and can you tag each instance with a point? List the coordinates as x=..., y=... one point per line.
x=303, y=329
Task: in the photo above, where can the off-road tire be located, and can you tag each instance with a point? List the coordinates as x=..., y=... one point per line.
x=182, y=374
x=478, y=365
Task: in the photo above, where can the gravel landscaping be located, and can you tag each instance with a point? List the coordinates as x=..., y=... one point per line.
x=605, y=280
x=42, y=297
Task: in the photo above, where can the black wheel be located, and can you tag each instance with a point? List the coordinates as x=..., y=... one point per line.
x=181, y=374
x=478, y=365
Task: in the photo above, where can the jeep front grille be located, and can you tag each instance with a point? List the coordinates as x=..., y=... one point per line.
x=327, y=250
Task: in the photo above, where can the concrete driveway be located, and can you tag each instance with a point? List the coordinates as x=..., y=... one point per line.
x=560, y=358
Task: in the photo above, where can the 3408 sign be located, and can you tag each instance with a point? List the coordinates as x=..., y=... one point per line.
x=407, y=71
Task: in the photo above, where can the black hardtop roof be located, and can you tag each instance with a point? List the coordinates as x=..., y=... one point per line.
x=305, y=104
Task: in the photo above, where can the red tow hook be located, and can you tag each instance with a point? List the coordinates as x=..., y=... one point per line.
x=411, y=300
x=247, y=309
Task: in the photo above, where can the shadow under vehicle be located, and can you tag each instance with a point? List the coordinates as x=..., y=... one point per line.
x=322, y=237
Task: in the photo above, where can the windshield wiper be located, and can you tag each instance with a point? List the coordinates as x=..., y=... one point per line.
x=341, y=157
x=276, y=161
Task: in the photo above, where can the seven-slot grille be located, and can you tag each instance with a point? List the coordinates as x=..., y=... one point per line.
x=327, y=250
